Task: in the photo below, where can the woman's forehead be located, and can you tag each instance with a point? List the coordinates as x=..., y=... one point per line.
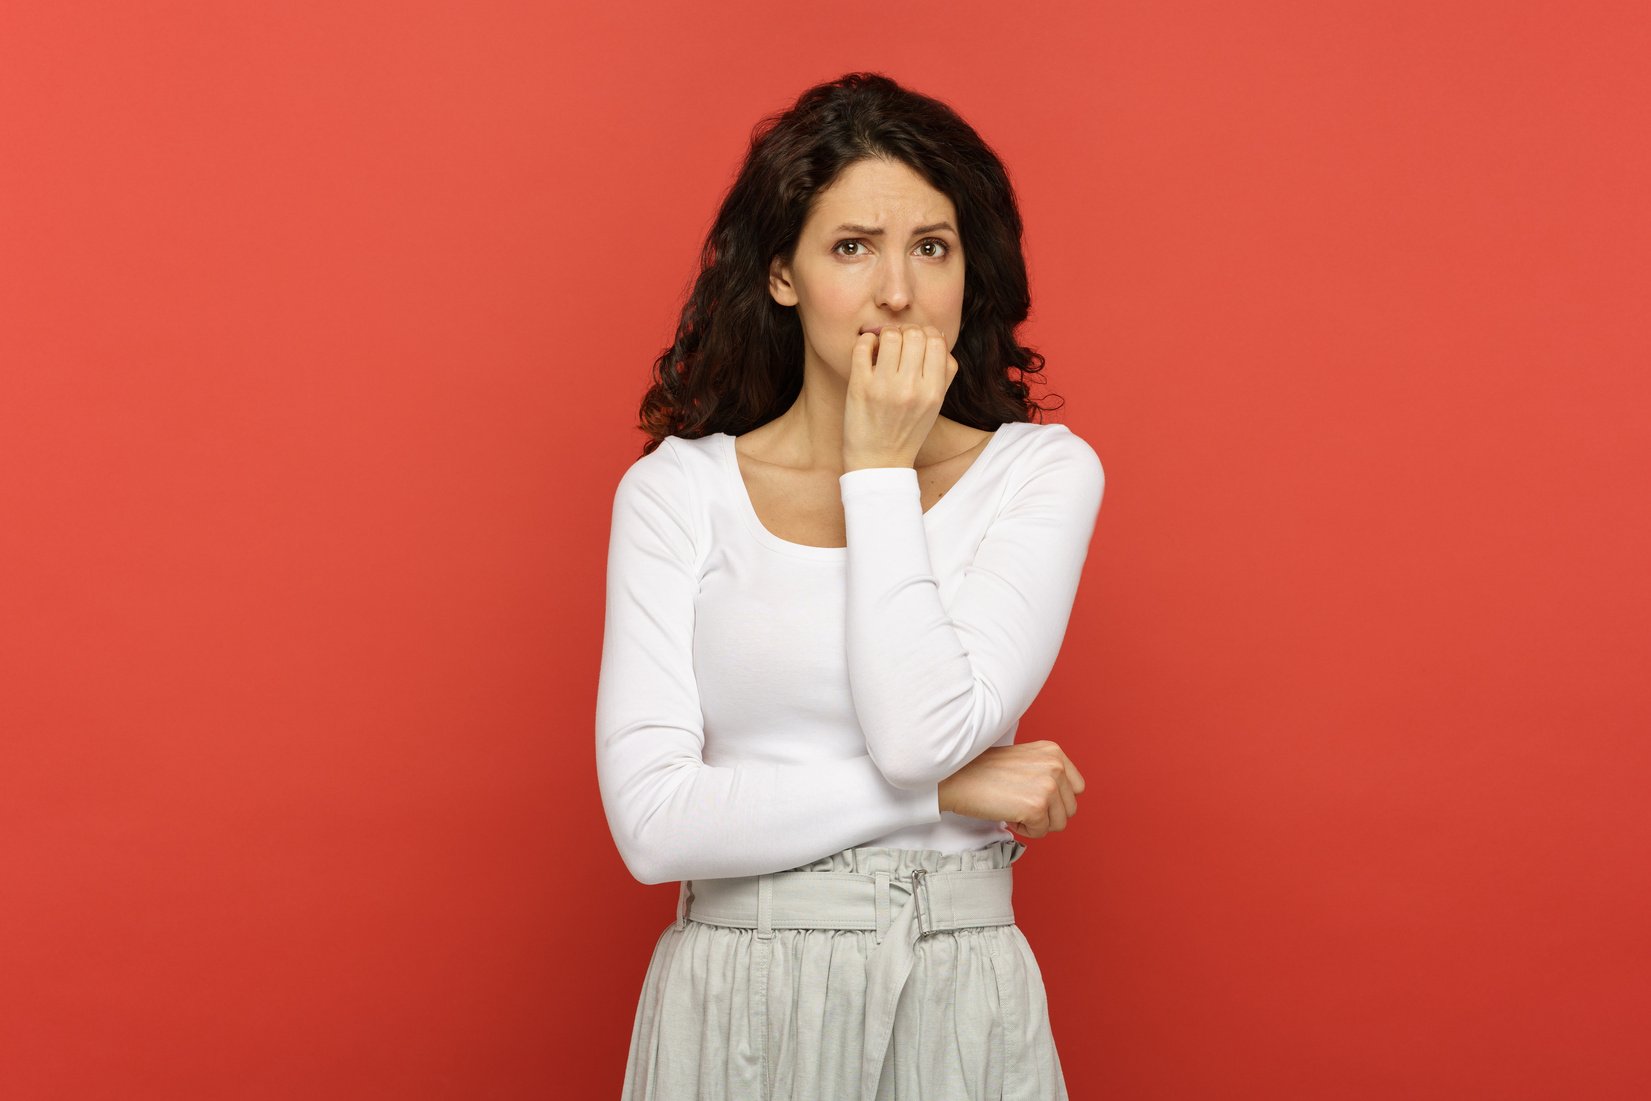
x=876, y=196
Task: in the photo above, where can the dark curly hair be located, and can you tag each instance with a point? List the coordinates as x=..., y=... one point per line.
x=737, y=360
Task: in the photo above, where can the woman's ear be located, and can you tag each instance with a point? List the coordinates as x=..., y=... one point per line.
x=779, y=282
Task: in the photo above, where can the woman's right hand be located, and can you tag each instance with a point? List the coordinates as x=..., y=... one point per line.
x=1033, y=788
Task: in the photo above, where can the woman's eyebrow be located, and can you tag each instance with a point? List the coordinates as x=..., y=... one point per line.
x=873, y=231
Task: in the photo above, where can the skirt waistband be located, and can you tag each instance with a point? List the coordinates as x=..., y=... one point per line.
x=943, y=900
x=858, y=888
x=902, y=861
x=955, y=891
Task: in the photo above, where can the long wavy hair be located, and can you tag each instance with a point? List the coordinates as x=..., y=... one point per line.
x=737, y=360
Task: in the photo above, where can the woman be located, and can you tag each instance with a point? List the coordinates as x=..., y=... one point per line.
x=837, y=576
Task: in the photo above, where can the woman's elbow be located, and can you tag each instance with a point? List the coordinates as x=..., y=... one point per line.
x=650, y=874
x=649, y=861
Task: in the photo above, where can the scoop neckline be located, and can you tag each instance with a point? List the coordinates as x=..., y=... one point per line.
x=804, y=550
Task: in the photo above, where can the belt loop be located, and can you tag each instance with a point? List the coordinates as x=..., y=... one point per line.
x=920, y=901
x=682, y=896
x=765, y=908
x=881, y=880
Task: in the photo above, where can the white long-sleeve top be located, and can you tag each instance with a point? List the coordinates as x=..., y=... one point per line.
x=763, y=703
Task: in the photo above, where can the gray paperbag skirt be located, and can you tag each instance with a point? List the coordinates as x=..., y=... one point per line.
x=873, y=974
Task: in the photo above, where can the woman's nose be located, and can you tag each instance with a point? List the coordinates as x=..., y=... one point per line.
x=894, y=291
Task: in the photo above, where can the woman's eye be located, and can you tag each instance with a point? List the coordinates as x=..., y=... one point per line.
x=856, y=242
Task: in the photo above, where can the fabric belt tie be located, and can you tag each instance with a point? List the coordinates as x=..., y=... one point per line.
x=928, y=901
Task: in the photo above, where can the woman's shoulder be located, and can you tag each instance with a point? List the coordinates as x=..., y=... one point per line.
x=676, y=459
x=1053, y=462
x=678, y=477
x=1035, y=444
x=665, y=497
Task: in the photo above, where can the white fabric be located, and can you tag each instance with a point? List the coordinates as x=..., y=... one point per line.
x=831, y=1014
x=763, y=704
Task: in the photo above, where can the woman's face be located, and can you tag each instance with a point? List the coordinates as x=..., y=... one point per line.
x=880, y=247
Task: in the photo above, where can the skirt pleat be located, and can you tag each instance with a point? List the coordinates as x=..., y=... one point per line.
x=972, y=1021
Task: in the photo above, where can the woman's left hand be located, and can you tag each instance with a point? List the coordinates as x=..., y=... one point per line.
x=892, y=403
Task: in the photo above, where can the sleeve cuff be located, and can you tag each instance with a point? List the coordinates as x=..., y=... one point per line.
x=877, y=480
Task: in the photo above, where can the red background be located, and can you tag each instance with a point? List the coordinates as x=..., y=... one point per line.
x=324, y=327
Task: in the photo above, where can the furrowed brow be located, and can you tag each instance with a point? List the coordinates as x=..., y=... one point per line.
x=874, y=231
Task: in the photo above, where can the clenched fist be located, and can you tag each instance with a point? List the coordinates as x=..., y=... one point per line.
x=1033, y=788
x=894, y=399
